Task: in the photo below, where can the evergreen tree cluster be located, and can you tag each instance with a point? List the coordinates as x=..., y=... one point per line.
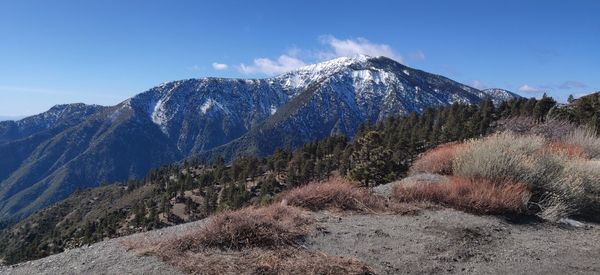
x=377, y=154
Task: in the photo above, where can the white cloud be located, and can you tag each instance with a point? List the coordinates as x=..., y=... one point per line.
x=353, y=47
x=477, y=84
x=219, y=66
x=530, y=89
x=295, y=57
x=267, y=66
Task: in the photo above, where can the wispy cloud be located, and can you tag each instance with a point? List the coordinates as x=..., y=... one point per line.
x=334, y=47
x=571, y=84
x=526, y=88
x=219, y=66
x=353, y=47
x=267, y=66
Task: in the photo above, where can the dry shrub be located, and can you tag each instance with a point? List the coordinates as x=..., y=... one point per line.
x=568, y=150
x=338, y=194
x=585, y=138
x=437, y=161
x=560, y=176
x=272, y=226
x=500, y=157
x=578, y=189
x=261, y=261
x=250, y=241
x=551, y=129
x=476, y=196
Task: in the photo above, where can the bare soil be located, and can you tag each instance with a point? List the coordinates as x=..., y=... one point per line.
x=436, y=241
x=452, y=242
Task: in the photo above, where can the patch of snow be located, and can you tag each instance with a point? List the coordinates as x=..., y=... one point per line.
x=210, y=104
x=406, y=72
x=273, y=109
x=207, y=105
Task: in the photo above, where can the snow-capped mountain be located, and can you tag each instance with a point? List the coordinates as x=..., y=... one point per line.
x=46, y=157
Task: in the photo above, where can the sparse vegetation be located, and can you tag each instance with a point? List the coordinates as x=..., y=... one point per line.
x=251, y=241
x=547, y=174
x=480, y=197
x=199, y=188
x=268, y=227
x=264, y=261
x=586, y=139
x=337, y=194
x=437, y=160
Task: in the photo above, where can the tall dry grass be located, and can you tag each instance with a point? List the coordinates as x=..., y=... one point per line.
x=338, y=194
x=437, y=160
x=476, y=196
x=503, y=157
x=560, y=171
x=585, y=138
x=563, y=179
x=251, y=241
x=272, y=226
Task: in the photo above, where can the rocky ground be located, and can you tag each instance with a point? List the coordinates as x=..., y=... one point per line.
x=436, y=241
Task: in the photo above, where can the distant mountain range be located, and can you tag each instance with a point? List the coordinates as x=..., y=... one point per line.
x=5, y=118
x=44, y=158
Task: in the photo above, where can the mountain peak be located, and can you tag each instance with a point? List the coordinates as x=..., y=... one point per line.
x=337, y=63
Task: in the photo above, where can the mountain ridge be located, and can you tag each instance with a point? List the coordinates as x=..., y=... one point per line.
x=48, y=156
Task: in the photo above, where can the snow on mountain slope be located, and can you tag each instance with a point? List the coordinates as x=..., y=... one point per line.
x=343, y=94
x=48, y=156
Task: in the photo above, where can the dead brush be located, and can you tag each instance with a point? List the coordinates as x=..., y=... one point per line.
x=568, y=150
x=479, y=197
x=252, y=241
x=438, y=160
x=339, y=194
x=267, y=227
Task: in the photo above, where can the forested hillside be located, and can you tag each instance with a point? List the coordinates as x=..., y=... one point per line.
x=196, y=188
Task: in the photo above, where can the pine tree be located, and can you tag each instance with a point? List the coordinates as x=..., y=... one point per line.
x=370, y=160
x=542, y=107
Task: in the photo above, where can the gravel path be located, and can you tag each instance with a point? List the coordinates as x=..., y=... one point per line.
x=108, y=257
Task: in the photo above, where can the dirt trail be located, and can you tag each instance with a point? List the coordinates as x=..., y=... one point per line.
x=436, y=241
x=453, y=242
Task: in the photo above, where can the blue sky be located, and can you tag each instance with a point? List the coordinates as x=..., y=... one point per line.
x=103, y=52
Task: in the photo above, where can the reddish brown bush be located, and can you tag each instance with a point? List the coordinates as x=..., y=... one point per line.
x=569, y=150
x=250, y=241
x=272, y=226
x=437, y=161
x=481, y=197
x=336, y=193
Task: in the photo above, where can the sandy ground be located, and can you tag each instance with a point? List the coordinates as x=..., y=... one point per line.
x=436, y=241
